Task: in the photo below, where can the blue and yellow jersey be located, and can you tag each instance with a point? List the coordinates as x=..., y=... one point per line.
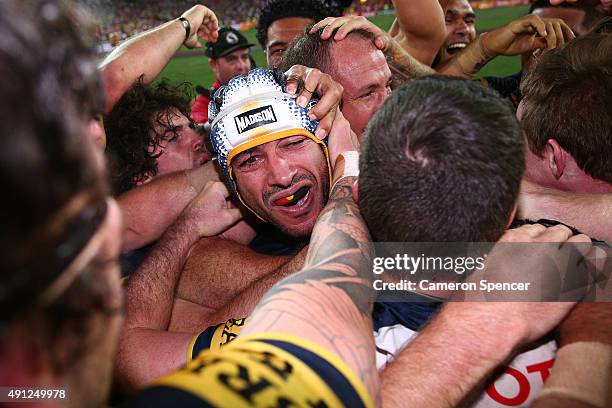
x=214, y=337
x=264, y=370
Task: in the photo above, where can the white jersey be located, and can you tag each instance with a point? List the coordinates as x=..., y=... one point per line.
x=517, y=386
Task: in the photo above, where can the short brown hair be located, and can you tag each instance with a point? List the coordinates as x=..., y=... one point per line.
x=312, y=51
x=567, y=96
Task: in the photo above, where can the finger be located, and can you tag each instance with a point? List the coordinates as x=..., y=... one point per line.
x=311, y=83
x=321, y=24
x=293, y=76
x=329, y=30
x=380, y=42
x=530, y=230
x=558, y=34
x=330, y=96
x=291, y=86
x=558, y=233
x=536, y=23
x=580, y=238
x=326, y=124
x=347, y=27
x=568, y=34
x=551, y=37
x=212, y=188
x=356, y=24
x=222, y=189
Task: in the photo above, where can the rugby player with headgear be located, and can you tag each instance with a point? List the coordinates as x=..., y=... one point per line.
x=158, y=315
x=70, y=242
x=261, y=139
x=61, y=297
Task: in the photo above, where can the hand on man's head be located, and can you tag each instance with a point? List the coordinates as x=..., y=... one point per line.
x=314, y=81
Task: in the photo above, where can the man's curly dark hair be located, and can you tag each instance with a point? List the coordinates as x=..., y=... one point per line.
x=132, y=139
x=277, y=9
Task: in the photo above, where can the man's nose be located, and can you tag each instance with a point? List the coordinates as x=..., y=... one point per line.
x=461, y=27
x=280, y=172
x=244, y=65
x=197, y=142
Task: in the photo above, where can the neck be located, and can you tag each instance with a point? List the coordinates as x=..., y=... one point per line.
x=576, y=182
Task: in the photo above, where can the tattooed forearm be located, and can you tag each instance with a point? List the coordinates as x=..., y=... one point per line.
x=468, y=62
x=328, y=302
x=340, y=252
x=404, y=66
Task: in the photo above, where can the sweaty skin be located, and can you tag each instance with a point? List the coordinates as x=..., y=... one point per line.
x=365, y=75
x=269, y=174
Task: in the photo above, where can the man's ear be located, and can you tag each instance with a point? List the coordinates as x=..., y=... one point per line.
x=213, y=65
x=355, y=190
x=512, y=215
x=556, y=157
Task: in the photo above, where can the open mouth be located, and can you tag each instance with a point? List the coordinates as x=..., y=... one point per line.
x=297, y=198
x=456, y=47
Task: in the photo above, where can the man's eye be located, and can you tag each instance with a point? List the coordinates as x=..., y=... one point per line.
x=278, y=50
x=367, y=95
x=248, y=162
x=296, y=142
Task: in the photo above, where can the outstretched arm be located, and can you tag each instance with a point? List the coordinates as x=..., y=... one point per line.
x=419, y=28
x=165, y=196
x=150, y=291
x=475, y=337
x=525, y=34
x=148, y=53
x=581, y=374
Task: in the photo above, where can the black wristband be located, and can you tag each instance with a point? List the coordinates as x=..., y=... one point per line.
x=185, y=23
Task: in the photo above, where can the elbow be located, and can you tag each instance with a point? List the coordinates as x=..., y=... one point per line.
x=113, y=82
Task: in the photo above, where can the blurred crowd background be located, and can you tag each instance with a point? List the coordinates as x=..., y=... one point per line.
x=120, y=19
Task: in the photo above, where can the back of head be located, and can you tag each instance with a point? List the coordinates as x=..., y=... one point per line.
x=603, y=26
x=567, y=97
x=49, y=85
x=55, y=198
x=441, y=162
x=275, y=10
